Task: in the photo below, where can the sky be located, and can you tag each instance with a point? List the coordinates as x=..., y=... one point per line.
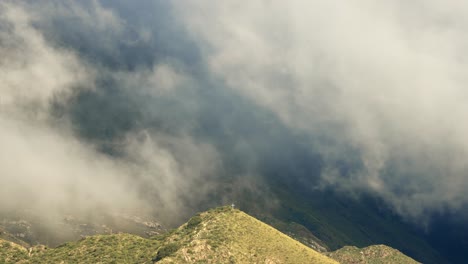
x=159, y=106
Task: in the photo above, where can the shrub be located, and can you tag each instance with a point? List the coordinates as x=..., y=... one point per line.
x=166, y=251
x=194, y=221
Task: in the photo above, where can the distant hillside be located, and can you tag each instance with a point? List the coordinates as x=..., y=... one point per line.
x=4, y=235
x=221, y=235
x=26, y=228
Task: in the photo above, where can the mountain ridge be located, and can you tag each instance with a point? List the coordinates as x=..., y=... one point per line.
x=220, y=235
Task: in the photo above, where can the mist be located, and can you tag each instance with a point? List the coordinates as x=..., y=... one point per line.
x=169, y=107
x=55, y=160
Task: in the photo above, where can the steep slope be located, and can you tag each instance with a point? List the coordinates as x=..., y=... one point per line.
x=296, y=231
x=226, y=235
x=378, y=254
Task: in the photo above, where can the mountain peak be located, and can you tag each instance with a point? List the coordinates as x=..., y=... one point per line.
x=227, y=234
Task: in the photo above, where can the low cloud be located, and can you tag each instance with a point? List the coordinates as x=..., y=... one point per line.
x=168, y=107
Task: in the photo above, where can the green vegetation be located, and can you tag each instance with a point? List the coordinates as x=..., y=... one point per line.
x=378, y=254
x=118, y=248
x=166, y=251
x=194, y=221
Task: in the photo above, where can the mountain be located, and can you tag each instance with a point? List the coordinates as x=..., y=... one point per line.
x=225, y=235
x=221, y=235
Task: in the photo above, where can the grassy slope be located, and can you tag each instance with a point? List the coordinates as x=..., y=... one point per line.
x=12, y=253
x=225, y=235
x=378, y=254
